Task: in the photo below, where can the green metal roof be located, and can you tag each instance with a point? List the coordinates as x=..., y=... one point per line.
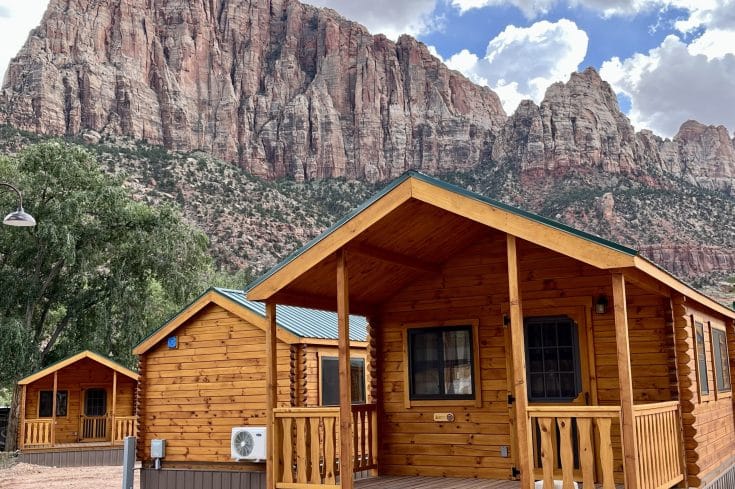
x=303, y=322
x=460, y=191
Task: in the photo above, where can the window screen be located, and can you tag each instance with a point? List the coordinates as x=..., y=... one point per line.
x=552, y=359
x=722, y=364
x=330, y=381
x=45, y=404
x=95, y=402
x=441, y=363
x=701, y=358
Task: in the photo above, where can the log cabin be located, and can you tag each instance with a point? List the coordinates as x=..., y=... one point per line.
x=511, y=351
x=203, y=374
x=77, y=411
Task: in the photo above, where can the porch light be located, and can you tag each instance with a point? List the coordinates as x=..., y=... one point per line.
x=601, y=304
x=19, y=218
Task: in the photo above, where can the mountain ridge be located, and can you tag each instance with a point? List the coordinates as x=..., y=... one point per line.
x=286, y=90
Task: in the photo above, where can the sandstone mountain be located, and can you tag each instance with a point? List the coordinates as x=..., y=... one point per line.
x=283, y=89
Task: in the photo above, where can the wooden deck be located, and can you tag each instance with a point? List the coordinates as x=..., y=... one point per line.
x=394, y=482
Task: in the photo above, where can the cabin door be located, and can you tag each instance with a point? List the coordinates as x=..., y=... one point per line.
x=94, y=420
x=558, y=348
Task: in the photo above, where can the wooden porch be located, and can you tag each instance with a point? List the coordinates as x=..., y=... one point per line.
x=398, y=482
x=38, y=434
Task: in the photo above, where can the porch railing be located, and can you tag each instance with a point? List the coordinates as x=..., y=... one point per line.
x=124, y=426
x=553, y=427
x=658, y=440
x=93, y=428
x=37, y=433
x=306, y=445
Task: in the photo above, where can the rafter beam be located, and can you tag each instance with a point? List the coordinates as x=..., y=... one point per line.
x=392, y=257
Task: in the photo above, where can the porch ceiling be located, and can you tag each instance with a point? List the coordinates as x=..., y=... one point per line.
x=409, y=242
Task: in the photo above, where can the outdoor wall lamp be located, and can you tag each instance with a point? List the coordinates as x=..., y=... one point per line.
x=20, y=217
x=601, y=304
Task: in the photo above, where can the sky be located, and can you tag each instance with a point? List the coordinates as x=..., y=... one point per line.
x=667, y=60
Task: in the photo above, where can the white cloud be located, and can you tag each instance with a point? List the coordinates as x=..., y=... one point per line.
x=670, y=85
x=520, y=63
x=16, y=20
x=389, y=17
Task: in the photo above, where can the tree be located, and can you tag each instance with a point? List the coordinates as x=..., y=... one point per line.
x=99, y=270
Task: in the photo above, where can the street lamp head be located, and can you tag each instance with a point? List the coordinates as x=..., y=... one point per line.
x=19, y=218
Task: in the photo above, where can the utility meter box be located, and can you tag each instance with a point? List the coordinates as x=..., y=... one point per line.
x=158, y=448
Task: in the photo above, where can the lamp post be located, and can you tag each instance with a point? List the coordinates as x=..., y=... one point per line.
x=19, y=218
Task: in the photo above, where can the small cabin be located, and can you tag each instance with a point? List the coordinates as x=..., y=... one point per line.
x=511, y=351
x=77, y=411
x=203, y=373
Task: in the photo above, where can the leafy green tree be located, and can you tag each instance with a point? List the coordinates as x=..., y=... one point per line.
x=98, y=271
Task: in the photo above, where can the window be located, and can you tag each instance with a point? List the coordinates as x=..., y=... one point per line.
x=95, y=402
x=330, y=381
x=45, y=403
x=552, y=359
x=701, y=359
x=440, y=363
x=721, y=360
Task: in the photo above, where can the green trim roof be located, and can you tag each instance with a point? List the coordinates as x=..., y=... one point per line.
x=51, y=365
x=452, y=188
x=299, y=321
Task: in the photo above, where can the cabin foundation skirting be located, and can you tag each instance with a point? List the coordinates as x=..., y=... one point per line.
x=726, y=480
x=200, y=479
x=70, y=457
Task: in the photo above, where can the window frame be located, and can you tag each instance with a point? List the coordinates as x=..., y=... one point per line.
x=695, y=323
x=361, y=358
x=725, y=392
x=58, y=405
x=473, y=325
x=576, y=359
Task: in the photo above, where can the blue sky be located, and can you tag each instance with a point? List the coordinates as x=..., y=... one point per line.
x=667, y=60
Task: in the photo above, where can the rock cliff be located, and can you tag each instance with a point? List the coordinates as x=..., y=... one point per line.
x=283, y=88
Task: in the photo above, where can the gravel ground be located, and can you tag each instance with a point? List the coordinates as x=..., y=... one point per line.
x=26, y=476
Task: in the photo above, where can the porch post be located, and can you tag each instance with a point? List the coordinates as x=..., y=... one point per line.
x=53, y=409
x=520, y=391
x=113, y=428
x=272, y=388
x=625, y=381
x=345, y=378
x=22, y=418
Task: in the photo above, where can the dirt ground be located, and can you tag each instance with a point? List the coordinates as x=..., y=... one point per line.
x=26, y=476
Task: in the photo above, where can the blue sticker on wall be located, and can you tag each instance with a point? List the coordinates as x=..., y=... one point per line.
x=173, y=342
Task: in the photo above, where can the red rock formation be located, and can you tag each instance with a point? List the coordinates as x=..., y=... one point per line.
x=283, y=88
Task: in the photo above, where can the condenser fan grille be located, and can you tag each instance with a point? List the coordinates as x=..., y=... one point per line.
x=243, y=443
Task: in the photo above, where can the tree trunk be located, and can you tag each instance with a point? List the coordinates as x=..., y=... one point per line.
x=11, y=434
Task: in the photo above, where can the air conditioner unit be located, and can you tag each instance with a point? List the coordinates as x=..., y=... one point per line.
x=248, y=443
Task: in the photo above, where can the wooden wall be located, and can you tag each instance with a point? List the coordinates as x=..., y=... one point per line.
x=215, y=380
x=709, y=424
x=474, y=285
x=194, y=395
x=76, y=378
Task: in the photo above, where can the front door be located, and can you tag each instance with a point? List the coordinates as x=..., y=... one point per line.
x=559, y=357
x=94, y=421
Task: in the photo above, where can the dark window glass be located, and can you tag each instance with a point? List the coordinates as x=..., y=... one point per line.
x=722, y=364
x=45, y=404
x=330, y=381
x=701, y=358
x=552, y=359
x=441, y=363
x=95, y=402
